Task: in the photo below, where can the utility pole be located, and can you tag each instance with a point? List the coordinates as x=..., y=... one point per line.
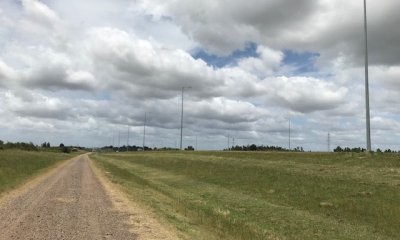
x=144, y=129
x=119, y=139
x=367, y=112
x=228, y=142
x=183, y=89
x=289, y=135
x=329, y=142
x=127, y=141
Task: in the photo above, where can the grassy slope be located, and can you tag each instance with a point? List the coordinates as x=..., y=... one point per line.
x=266, y=195
x=17, y=166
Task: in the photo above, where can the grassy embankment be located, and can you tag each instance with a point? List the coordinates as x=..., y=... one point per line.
x=212, y=195
x=17, y=166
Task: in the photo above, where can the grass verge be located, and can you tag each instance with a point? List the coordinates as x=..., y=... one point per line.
x=221, y=195
x=17, y=166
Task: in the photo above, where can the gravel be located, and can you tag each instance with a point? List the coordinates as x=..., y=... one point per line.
x=70, y=203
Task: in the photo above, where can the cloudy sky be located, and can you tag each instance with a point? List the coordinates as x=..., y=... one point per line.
x=84, y=72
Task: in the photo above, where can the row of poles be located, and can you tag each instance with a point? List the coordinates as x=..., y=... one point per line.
x=367, y=107
x=145, y=123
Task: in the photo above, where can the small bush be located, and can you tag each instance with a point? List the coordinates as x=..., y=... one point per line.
x=65, y=149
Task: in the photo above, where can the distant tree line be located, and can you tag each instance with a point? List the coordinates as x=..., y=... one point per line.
x=385, y=151
x=32, y=147
x=124, y=148
x=347, y=149
x=45, y=145
x=18, y=145
x=360, y=150
x=135, y=148
x=254, y=147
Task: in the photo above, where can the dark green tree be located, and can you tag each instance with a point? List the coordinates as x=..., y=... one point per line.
x=338, y=149
x=189, y=148
x=253, y=147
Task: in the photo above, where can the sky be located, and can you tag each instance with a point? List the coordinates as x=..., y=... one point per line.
x=87, y=72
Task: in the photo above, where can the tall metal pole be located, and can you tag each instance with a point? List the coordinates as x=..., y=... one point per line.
x=289, y=135
x=144, y=129
x=119, y=139
x=181, y=120
x=367, y=113
x=329, y=142
x=183, y=89
x=127, y=141
x=228, y=142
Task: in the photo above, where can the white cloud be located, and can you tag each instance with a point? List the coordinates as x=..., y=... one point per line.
x=40, y=13
x=305, y=94
x=54, y=70
x=268, y=61
x=385, y=124
x=130, y=62
x=81, y=80
x=225, y=110
x=389, y=76
x=239, y=83
x=7, y=74
x=328, y=27
x=101, y=64
x=35, y=105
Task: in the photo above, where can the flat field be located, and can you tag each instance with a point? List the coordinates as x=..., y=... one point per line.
x=18, y=166
x=243, y=195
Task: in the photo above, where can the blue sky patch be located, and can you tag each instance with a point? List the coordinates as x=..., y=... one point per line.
x=302, y=62
x=250, y=50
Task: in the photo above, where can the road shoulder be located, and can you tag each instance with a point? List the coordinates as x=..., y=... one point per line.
x=145, y=224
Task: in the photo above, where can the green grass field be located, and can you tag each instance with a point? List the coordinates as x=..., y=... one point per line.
x=237, y=195
x=17, y=166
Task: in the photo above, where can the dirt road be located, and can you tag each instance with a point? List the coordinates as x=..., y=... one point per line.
x=69, y=203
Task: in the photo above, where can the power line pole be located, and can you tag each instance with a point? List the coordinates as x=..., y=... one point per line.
x=228, y=142
x=119, y=139
x=367, y=112
x=183, y=89
x=180, y=146
x=329, y=142
x=144, y=129
x=289, y=135
x=127, y=141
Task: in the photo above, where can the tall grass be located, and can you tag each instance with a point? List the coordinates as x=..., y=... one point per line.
x=267, y=195
x=16, y=166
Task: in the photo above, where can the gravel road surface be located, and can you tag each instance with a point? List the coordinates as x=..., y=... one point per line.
x=69, y=203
